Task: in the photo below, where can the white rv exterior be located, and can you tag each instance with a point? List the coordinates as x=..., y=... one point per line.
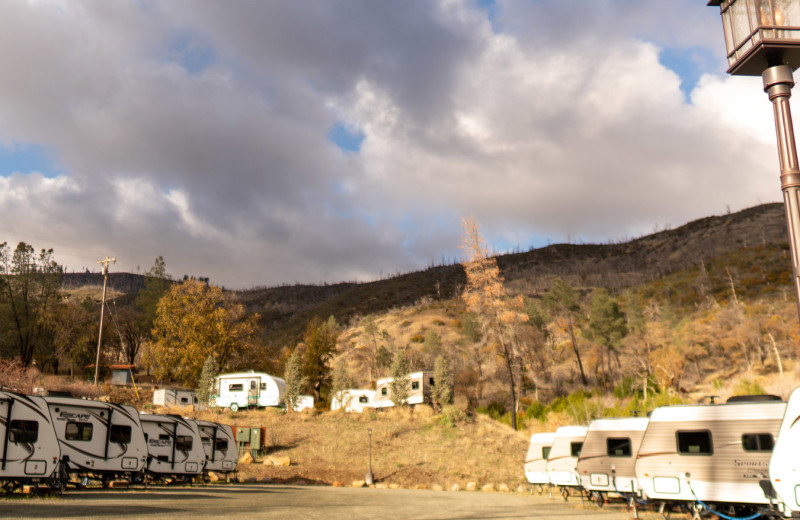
x=563, y=459
x=714, y=453
x=246, y=389
x=608, y=456
x=174, y=445
x=419, y=391
x=219, y=446
x=353, y=400
x=304, y=402
x=536, y=459
x=30, y=449
x=784, y=467
x=174, y=397
x=96, y=438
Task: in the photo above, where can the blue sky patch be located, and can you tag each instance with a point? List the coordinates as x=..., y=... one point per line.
x=689, y=64
x=27, y=158
x=191, y=51
x=346, y=137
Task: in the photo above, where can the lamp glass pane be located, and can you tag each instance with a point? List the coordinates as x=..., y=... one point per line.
x=741, y=21
x=726, y=27
x=787, y=13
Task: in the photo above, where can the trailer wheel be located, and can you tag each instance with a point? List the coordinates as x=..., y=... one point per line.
x=234, y=407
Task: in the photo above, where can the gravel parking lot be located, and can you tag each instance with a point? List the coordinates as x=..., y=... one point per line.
x=300, y=503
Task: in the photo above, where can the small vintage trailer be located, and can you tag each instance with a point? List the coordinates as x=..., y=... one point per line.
x=353, y=400
x=563, y=458
x=536, y=459
x=419, y=390
x=607, y=460
x=784, y=466
x=174, y=397
x=30, y=451
x=219, y=446
x=246, y=389
x=97, y=439
x=174, y=446
x=715, y=454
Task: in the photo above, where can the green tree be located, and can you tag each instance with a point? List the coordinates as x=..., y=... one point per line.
x=563, y=301
x=294, y=379
x=205, y=385
x=156, y=285
x=320, y=343
x=341, y=379
x=194, y=320
x=607, y=327
x=400, y=383
x=431, y=346
x=30, y=285
x=442, y=383
x=74, y=333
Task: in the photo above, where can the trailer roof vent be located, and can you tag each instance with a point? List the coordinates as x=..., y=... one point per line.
x=753, y=398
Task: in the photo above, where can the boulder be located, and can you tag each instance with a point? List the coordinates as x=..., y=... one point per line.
x=359, y=483
x=522, y=489
x=488, y=488
x=503, y=488
x=277, y=461
x=381, y=485
x=246, y=458
x=472, y=486
x=437, y=487
x=394, y=486
x=336, y=483
x=455, y=487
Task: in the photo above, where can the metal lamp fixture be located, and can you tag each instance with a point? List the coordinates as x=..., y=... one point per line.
x=762, y=37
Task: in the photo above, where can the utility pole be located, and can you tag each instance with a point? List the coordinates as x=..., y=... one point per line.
x=102, y=309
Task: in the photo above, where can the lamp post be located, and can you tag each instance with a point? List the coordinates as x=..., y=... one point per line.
x=369, y=479
x=762, y=38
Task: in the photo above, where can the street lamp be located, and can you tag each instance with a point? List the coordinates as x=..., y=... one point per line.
x=762, y=37
x=369, y=477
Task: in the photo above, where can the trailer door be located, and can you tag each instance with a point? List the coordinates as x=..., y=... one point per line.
x=253, y=392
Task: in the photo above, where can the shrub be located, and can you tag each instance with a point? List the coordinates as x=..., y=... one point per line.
x=452, y=415
x=748, y=387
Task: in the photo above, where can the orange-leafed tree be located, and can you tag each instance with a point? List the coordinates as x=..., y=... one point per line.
x=485, y=296
x=195, y=320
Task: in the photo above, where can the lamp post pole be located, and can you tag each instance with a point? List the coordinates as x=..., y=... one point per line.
x=778, y=83
x=369, y=478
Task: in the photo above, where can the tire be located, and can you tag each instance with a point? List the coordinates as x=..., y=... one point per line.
x=234, y=407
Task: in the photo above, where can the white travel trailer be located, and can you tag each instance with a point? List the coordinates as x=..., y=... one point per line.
x=536, y=459
x=784, y=467
x=246, y=389
x=174, y=397
x=717, y=454
x=97, y=439
x=353, y=400
x=607, y=460
x=174, y=446
x=563, y=458
x=304, y=402
x=219, y=446
x=419, y=390
x=30, y=450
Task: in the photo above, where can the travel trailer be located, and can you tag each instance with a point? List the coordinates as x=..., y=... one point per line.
x=97, y=439
x=219, y=446
x=784, y=466
x=174, y=446
x=608, y=456
x=30, y=450
x=304, y=402
x=536, y=459
x=353, y=400
x=174, y=397
x=419, y=391
x=717, y=454
x=563, y=458
x=246, y=389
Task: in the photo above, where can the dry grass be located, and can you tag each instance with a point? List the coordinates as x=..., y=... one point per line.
x=409, y=447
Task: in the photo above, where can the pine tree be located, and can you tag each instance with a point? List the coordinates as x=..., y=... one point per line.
x=205, y=385
x=442, y=383
x=294, y=379
x=399, y=372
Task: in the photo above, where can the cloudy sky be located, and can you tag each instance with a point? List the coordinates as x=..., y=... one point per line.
x=260, y=142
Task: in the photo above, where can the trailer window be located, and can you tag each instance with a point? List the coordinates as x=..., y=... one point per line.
x=618, y=447
x=23, y=431
x=252, y=385
x=757, y=442
x=78, y=431
x=415, y=385
x=183, y=443
x=384, y=391
x=431, y=381
x=120, y=434
x=575, y=448
x=695, y=443
x=363, y=399
x=545, y=452
x=222, y=445
x=238, y=387
x=263, y=386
